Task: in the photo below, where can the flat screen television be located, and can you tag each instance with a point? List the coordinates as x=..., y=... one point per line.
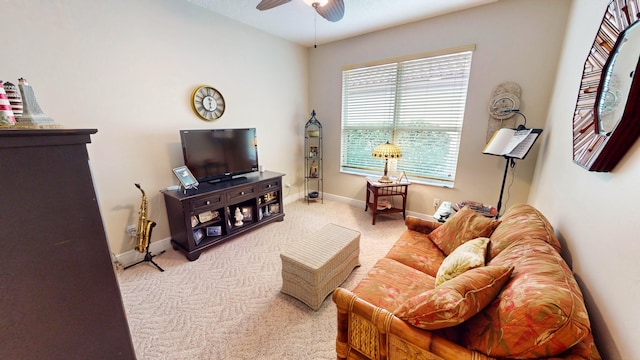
x=219, y=154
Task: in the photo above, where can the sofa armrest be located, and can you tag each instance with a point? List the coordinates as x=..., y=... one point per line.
x=421, y=225
x=366, y=331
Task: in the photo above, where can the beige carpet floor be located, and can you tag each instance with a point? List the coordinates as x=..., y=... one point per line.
x=228, y=305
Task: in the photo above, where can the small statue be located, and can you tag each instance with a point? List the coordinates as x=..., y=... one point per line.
x=313, y=169
x=7, y=117
x=32, y=114
x=238, y=216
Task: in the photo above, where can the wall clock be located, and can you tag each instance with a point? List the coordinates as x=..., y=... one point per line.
x=606, y=120
x=207, y=102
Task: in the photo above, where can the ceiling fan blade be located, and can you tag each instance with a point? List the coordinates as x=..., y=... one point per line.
x=333, y=11
x=269, y=4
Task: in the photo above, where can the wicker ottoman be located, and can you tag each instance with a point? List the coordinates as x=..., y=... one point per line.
x=317, y=264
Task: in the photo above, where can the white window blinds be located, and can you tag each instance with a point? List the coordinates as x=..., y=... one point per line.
x=417, y=104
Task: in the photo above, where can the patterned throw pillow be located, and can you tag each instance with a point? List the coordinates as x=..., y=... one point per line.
x=466, y=256
x=456, y=300
x=463, y=226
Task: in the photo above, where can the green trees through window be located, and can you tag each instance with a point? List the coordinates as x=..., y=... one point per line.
x=417, y=104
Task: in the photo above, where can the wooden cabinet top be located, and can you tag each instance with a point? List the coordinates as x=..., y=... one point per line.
x=12, y=138
x=206, y=188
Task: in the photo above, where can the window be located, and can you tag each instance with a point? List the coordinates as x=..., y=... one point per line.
x=417, y=104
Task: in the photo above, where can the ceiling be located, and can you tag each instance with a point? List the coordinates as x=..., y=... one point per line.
x=299, y=23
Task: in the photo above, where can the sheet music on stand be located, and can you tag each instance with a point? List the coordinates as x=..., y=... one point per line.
x=521, y=150
x=512, y=143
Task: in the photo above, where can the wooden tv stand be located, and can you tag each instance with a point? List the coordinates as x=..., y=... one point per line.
x=203, y=218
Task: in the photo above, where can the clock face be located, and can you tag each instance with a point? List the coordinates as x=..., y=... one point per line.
x=207, y=102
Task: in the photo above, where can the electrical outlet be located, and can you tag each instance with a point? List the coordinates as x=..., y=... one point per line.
x=132, y=230
x=436, y=202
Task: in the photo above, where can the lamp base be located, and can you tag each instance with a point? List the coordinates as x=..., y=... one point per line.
x=385, y=180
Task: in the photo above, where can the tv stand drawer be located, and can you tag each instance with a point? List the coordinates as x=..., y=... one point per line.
x=241, y=193
x=272, y=185
x=206, y=202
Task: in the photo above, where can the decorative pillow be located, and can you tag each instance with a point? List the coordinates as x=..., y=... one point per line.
x=466, y=256
x=456, y=300
x=463, y=226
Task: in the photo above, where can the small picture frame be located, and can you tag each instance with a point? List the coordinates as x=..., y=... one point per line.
x=247, y=213
x=214, y=230
x=198, y=235
x=274, y=208
x=186, y=178
x=402, y=176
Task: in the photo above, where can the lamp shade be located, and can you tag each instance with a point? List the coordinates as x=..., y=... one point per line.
x=387, y=151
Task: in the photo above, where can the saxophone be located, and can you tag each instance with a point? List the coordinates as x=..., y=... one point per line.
x=143, y=232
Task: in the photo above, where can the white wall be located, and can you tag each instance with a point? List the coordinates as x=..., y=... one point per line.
x=128, y=68
x=596, y=215
x=516, y=40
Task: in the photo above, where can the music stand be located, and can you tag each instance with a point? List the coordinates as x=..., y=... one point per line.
x=511, y=144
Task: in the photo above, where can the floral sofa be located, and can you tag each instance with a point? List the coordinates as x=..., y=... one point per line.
x=503, y=291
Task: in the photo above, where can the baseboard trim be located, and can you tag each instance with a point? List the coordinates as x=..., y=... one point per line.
x=156, y=247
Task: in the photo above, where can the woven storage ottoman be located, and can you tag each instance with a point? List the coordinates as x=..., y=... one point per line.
x=317, y=264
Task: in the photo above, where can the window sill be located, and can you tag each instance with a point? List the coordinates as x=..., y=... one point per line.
x=413, y=180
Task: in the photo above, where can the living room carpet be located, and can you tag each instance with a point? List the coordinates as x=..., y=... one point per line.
x=228, y=305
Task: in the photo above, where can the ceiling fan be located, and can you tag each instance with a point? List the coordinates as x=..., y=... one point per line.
x=332, y=10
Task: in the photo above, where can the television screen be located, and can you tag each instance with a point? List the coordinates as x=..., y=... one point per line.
x=219, y=154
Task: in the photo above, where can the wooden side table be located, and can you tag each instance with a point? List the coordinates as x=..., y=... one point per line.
x=377, y=190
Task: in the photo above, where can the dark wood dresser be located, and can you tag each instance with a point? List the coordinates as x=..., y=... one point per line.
x=59, y=296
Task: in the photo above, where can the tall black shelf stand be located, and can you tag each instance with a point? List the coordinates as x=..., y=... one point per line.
x=313, y=187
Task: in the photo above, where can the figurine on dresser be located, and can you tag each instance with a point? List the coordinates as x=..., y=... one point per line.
x=238, y=216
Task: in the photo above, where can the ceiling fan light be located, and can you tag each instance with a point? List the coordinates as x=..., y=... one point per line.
x=316, y=3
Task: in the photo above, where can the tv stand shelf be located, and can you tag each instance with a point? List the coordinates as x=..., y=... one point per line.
x=203, y=218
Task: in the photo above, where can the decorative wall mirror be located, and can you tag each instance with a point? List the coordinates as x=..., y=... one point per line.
x=606, y=120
